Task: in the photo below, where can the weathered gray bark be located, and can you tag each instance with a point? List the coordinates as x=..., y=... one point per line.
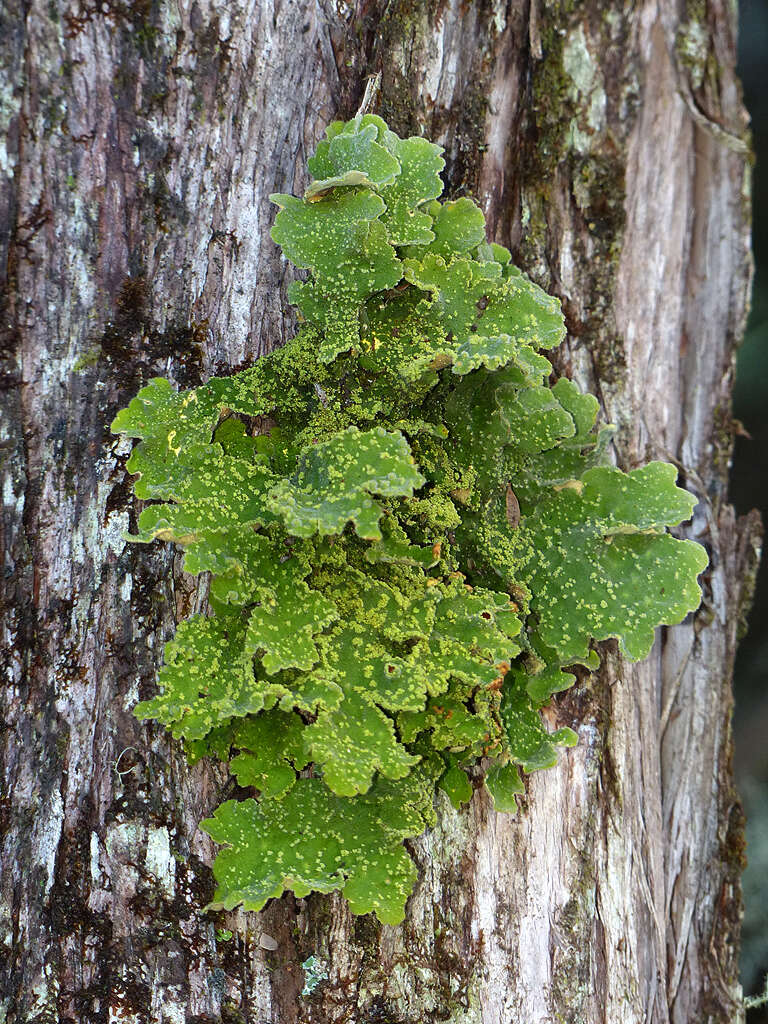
x=142, y=138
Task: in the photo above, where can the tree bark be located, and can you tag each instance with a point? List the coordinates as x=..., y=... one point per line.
x=606, y=144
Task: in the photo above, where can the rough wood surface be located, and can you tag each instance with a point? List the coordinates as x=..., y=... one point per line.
x=141, y=140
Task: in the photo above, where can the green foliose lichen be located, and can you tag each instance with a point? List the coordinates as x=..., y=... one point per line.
x=404, y=566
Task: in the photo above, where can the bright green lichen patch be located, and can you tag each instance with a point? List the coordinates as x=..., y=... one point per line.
x=313, y=840
x=405, y=567
x=504, y=784
x=342, y=242
x=599, y=564
x=335, y=480
x=208, y=679
x=272, y=748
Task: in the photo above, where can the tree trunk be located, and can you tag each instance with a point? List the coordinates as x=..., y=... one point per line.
x=142, y=139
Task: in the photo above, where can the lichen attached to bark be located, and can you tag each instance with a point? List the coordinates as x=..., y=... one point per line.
x=406, y=565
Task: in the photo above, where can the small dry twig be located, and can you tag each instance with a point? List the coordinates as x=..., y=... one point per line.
x=371, y=88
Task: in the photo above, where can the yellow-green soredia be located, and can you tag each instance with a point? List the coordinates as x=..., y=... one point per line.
x=404, y=568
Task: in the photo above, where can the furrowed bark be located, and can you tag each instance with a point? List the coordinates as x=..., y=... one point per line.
x=607, y=145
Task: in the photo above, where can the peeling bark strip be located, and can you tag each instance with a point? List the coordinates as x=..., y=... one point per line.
x=141, y=140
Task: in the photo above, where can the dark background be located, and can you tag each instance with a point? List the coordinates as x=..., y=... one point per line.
x=749, y=488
